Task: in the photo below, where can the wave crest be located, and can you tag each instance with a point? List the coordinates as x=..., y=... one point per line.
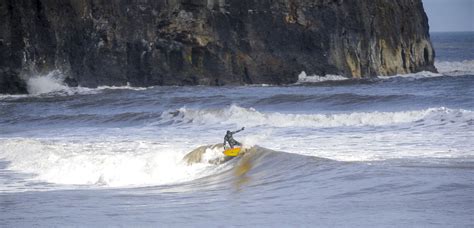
x=465, y=67
x=304, y=78
x=236, y=115
x=112, y=164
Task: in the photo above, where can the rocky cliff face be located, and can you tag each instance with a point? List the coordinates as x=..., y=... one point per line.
x=209, y=42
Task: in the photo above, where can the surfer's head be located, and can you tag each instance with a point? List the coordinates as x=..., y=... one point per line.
x=228, y=132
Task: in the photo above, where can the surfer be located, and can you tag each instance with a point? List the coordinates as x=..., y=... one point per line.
x=230, y=139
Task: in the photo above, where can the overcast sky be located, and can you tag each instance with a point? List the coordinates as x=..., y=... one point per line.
x=450, y=15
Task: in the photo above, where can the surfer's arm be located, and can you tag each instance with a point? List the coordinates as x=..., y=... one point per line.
x=238, y=130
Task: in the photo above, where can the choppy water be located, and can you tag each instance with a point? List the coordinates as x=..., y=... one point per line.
x=385, y=152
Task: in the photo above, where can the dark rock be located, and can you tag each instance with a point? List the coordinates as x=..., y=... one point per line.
x=71, y=82
x=211, y=42
x=11, y=84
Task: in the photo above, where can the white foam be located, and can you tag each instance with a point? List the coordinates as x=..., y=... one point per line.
x=53, y=84
x=456, y=68
x=253, y=139
x=414, y=76
x=126, y=87
x=112, y=164
x=421, y=145
x=212, y=154
x=10, y=96
x=445, y=68
x=236, y=115
x=304, y=78
x=42, y=84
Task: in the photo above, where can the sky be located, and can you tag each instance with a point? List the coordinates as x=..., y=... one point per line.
x=450, y=15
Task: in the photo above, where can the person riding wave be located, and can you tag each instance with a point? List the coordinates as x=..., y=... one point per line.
x=230, y=139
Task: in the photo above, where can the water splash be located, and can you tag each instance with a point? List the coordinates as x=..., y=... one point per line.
x=48, y=83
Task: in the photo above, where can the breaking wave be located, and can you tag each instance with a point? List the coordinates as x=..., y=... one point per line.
x=112, y=164
x=126, y=87
x=43, y=84
x=135, y=164
x=445, y=68
x=53, y=84
x=236, y=115
x=465, y=67
x=304, y=78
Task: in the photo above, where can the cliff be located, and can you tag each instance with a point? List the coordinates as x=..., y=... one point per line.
x=209, y=42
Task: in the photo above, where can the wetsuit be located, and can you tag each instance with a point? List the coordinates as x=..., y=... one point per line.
x=230, y=139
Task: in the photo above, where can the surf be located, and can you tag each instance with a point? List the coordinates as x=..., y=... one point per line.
x=136, y=164
x=235, y=114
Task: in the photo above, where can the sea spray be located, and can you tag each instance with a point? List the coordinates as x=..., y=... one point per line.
x=50, y=82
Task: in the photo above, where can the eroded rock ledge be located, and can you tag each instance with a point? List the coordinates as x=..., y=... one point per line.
x=210, y=42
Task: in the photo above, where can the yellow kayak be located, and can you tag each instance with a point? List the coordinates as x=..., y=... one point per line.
x=232, y=151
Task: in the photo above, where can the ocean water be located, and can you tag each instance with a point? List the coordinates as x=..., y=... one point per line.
x=388, y=152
